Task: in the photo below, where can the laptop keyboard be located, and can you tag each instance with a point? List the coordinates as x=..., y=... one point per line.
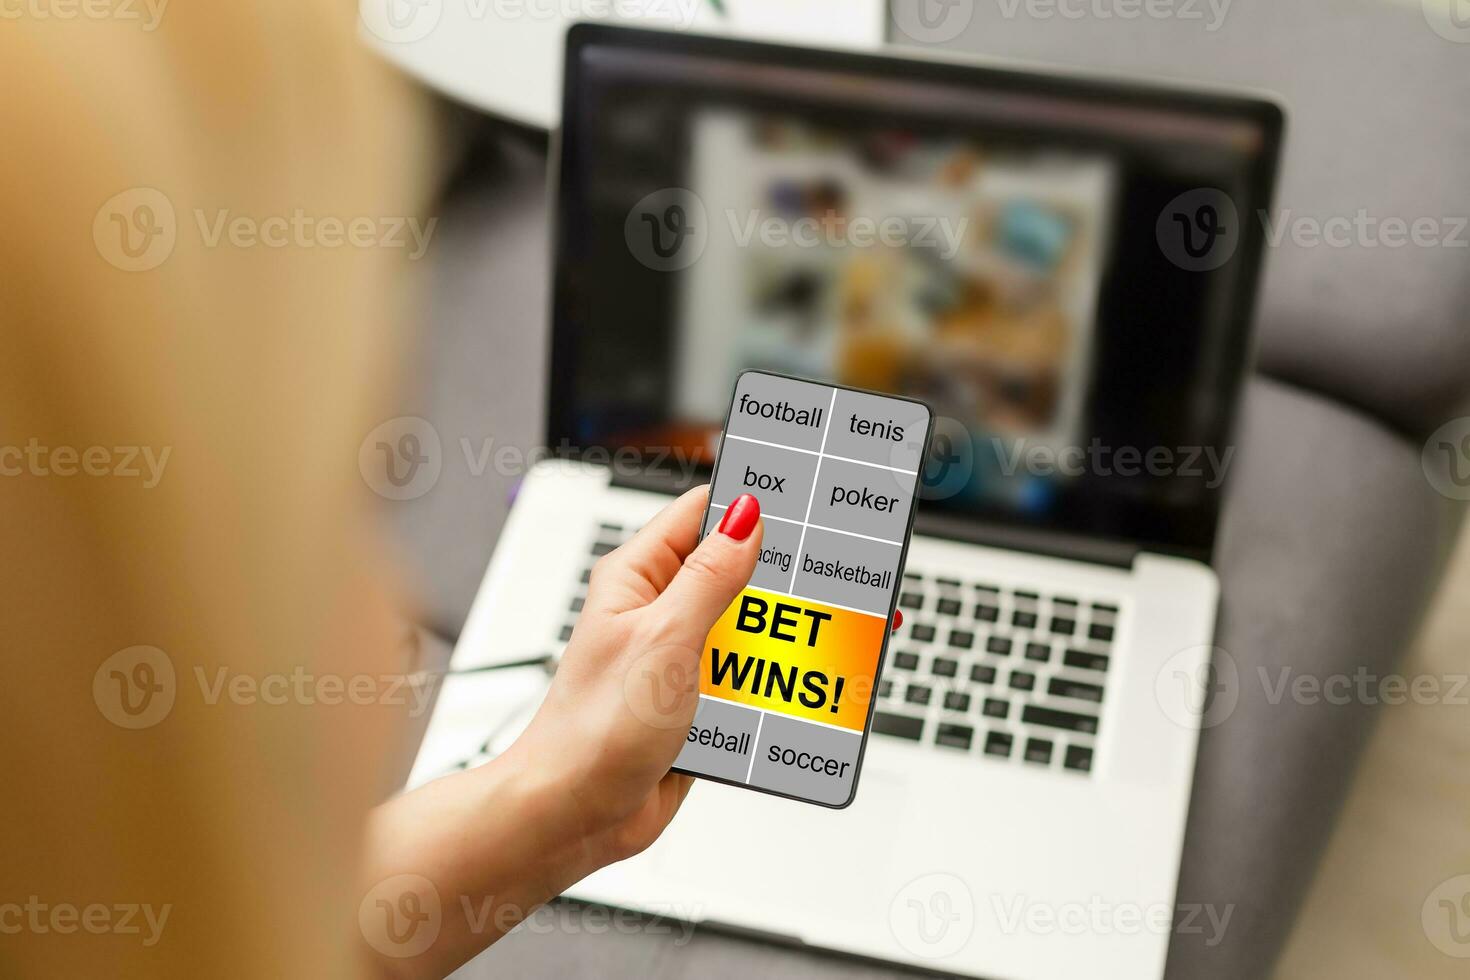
x=982, y=668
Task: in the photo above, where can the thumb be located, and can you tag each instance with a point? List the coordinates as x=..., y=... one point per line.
x=713, y=574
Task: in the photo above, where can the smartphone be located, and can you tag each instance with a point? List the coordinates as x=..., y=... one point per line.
x=790, y=670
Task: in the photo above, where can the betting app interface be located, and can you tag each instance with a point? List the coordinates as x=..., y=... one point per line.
x=788, y=672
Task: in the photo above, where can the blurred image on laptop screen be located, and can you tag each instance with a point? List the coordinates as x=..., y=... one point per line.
x=991, y=251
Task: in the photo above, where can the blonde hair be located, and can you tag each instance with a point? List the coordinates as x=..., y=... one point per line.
x=252, y=371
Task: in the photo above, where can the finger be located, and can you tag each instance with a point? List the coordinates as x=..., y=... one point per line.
x=653, y=555
x=713, y=575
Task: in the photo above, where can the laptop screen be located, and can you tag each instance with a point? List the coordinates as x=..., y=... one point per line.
x=1062, y=269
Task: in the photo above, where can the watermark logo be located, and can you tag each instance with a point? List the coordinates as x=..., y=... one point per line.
x=1446, y=917
x=39, y=917
x=400, y=21
x=147, y=13
x=1209, y=12
x=1450, y=19
x=1198, y=687
x=135, y=687
x=136, y=230
x=401, y=916
x=932, y=21
x=667, y=230
x=1446, y=459
x=402, y=458
x=1199, y=230
x=933, y=916
x=662, y=687
x=949, y=461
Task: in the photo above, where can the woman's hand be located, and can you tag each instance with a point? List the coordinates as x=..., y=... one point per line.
x=627, y=688
x=588, y=782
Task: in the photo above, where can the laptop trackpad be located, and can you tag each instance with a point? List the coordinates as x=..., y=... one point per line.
x=783, y=862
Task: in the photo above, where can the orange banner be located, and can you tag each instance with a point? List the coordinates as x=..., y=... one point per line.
x=794, y=656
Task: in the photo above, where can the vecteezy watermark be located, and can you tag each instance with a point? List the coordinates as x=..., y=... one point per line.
x=1209, y=13
x=1097, y=916
x=932, y=21
x=145, y=463
x=669, y=229
x=41, y=918
x=1446, y=459
x=138, y=229
x=1198, y=686
x=1206, y=463
x=146, y=13
x=403, y=458
x=1450, y=19
x=407, y=21
x=1200, y=230
x=1445, y=917
x=933, y=916
x=402, y=916
x=137, y=688
x=1202, y=686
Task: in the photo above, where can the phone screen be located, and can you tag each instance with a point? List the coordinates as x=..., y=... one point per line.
x=789, y=671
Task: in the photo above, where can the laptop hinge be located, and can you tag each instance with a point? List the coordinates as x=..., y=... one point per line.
x=1036, y=541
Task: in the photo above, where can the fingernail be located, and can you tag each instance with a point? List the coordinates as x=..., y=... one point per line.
x=740, y=517
x=897, y=619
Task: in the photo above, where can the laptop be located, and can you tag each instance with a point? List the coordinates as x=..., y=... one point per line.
x=1064, y=269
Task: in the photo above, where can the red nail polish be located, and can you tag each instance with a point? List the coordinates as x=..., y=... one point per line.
x=740, y=517
x=897, y=619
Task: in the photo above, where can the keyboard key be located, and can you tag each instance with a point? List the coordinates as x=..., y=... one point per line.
x=1023, y=620
x=955, y=701
x=1022, y=681
x=901, y=726
x=922, y=633
x=1106, y=607
x=1038, y=750
x=911, y=600
x=948, y=583
x=948, y=607
x=982, y=674
x=1025, y=594
x=988, y=589
x=1100, y=632
x=885, y=689
x=903, y=660
x=613, y=528
x=1062, y=603
x=987, y=614
x=998, y=645
x=566, y=633
x=1034, y=714
x=1063, y=627
x=954, y=736
x=1038, y=651
x=601, y=548
x=1079, y=758
x=998, y=743
x=1086, y=660
x=917, y=694
x=586, y=576
x=961, y=639
x=912, y=577
x=944, y=667
x=996, y=708
x=1064, y=688
x=578, y=603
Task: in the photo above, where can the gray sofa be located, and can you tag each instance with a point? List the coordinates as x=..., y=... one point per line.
x=1332, y=539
